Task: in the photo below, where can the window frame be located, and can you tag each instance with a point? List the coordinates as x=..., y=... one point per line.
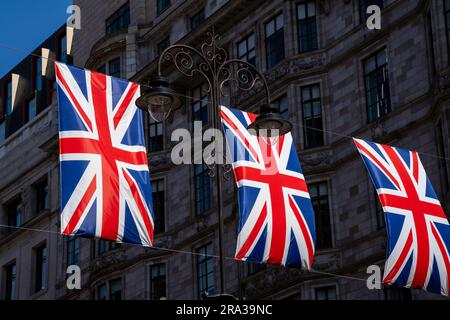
x=308, y=21
x=157, y=183
x=119, y=20
x=331, y=286
x=274, y=35
x=378, y=68
x=115, y=62
x=10, y=291
x=151, y=280
x=307, y=131
x=200, y=100
x=40, y=267
x=72, y=250
x=248, y=50
x=159, y=138
x=205, y=191
x=317, y=211
x=204, y=256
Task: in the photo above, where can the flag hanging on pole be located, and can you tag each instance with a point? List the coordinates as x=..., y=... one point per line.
x=104, y=175
x=417, y=227
x=276, y=223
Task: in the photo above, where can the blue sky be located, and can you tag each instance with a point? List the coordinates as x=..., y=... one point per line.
x=24, y=24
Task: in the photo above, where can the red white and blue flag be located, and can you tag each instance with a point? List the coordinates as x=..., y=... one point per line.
x=417, y=227
x=105, y=180
x=276, y=223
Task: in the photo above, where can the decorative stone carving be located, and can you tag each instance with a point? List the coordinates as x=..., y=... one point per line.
x=109, y=259
x=317, y=159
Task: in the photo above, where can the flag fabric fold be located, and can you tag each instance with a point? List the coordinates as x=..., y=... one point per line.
x=276, y=217
x=104, y=175
x=417, y=227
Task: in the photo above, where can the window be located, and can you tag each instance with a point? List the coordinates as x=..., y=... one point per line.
x=37, y=69
x=15, y=213
x=274, y=41
x=163, y=45
x=2, y=132
x=115, y=289
x=396, y=293
x=105, y=246
x=376, y=80
x=202, y=188
x=381, y=222
x=254, y=267
x=119, y=20
x=247, y=49
x=197, y=19
x=364, y=4
x=40, y=268
x=102, y=69
x=8, y=97
x=73, y=250
x=162, y=5
x=10, y=285
x=41, y=196
x=101, y=292
x=319, y=198
x=312, y=116
x=282, y=104
x=205, y=270
x=158, y=204
x=62, y=49
x=156, y=135
x=158, y=282
x=31, y=108
x=200, y=103
x=307, y=26
x=114, y=68
x=325, y=293
x=442, y=157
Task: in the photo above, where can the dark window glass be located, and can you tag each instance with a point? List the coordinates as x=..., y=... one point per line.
x=156, y=135
x=10, y=286
x=364, y=4
x=163, y=45
x=376, y=80
x=37, y=74
x=319, y=198
x=115, y=289
x=254, y=267
x=283, y=108
x=442, y=159
x=326, y=293
x=2, y=131
x=114, y=68
x=274, y=40
x=202, y=188
x=62, y=50
x=162, y=5
x=447, y=23
x=396, y=293
x=73, y=250
x=312, y=116
x=158, y=204
x=119, y=20
x=205, y=270
x=307, y=26
x=40, y=268
x=158, y=282
x=31, y=108
x=200, y=103
x=381, y=223
x=102, y=69
x=197, y=19
x=105, y=246
x=8, y=97
x=15, y=213
x=41, y=196
x=247, y=49
x=101, y=292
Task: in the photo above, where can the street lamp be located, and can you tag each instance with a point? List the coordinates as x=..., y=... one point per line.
x=211, y=63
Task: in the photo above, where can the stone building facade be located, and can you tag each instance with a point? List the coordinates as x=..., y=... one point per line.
x=325, y=69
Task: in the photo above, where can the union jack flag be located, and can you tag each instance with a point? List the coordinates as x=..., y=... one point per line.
x=417, y=227
x=105, y=180
x=276, y=223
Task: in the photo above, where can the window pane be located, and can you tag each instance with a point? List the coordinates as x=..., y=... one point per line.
x=31, y=106
x=301, y=11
